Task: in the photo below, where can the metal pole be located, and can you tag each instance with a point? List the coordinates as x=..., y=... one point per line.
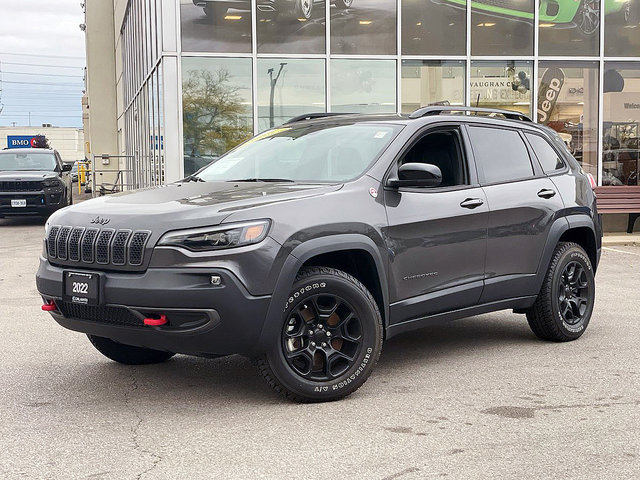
x=273, y=82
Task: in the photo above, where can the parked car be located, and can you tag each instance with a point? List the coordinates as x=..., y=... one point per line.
x=309, y=245
x=74, y=172
x=217, y=9
x=33, y=181
x=583, y=14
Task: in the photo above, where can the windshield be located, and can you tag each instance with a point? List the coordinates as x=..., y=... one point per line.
x=310, y=153
x=19, y=162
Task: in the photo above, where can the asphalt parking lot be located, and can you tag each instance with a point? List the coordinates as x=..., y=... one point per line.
x=477, y=398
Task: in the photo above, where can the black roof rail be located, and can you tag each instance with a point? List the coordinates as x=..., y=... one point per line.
x=437, y=110
x=312, y=116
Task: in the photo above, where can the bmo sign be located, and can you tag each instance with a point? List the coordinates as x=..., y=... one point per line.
x=22, y=141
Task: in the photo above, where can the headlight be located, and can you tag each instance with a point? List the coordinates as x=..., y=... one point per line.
x=51, y=182
x=217, y=238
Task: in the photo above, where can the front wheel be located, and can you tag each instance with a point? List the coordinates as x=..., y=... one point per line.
x=330, y=338
x=303, y=9
x=589, y=17
x=128, y=354
x=564, y=305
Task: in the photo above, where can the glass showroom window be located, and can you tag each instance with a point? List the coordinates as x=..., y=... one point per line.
x=621, y=131
x=622, y=28
x=501, y=84
x=570, y=28
x=215, y=26
x=426, y=82
x=501, y=28
x=568, y=103
x=287, y=88
x=299, y=27
x=363, y=86
x=363, y=27
x=434, y=28
x=217, y=111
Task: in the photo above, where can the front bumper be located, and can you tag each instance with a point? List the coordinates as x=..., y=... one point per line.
x=38, y=203
x=203, y=319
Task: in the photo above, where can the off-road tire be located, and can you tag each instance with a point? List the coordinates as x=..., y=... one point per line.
x=544, y=317
x=128, y=354
x=280, y=375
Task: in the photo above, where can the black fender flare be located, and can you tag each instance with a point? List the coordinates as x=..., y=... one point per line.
x=297, y=257
x=558, y=228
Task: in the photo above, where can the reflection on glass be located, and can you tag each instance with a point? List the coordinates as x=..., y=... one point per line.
x=216, y=26
x=568, y=103
x=622, y=28
x=570, y=27
x=433, y=27
x=216, y=100
x=366, y=27
x=502, y=84
x=501, y=28
x=427, y=82
x=621, y=134
x=291, y=27
x=363, y=86
x=288, y=88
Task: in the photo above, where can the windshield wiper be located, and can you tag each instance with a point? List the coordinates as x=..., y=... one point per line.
x=193, y=178
x=272, y=180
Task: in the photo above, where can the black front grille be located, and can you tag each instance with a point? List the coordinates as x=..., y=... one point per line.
x=102, y=246
x=101, y=314
x=61, y=243
x=74, y=243
x=136, y=248
x=20, y=186
x=51, y=240
x=86, y=248
x=92, y=245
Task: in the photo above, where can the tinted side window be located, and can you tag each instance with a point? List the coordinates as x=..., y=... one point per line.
x=549, y=159
x=501, y=154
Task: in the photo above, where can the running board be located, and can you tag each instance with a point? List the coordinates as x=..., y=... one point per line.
x=415, y=323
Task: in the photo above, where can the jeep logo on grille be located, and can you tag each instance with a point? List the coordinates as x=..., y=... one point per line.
x=100, y=220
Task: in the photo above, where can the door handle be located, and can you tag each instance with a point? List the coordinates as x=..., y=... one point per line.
x=471, y=203
x=546, y=193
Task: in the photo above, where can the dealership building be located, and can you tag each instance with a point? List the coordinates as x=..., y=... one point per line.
x=173, y=84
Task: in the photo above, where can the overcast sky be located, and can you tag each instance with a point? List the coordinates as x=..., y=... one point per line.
x=41, y=62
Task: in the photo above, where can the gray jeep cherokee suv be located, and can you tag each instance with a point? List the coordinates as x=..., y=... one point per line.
x=308, y=245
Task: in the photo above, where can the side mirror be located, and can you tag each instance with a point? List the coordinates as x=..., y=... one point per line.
x=417, y=175
x=66, y=167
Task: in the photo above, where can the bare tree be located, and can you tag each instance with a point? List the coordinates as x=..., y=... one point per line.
x=212, y=112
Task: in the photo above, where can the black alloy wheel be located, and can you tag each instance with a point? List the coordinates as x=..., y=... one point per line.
x=573, y=293
x=329, y=339
x=322, y=338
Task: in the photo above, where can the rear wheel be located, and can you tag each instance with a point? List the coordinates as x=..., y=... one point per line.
x=128, y=354
x=588, y=16
x=303, y=9
x=330, y=338
x=342, y=4
x=564, y=305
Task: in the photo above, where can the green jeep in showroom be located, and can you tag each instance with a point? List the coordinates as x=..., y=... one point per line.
x=583, y=14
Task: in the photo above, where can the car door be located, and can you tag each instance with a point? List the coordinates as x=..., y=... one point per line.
x=523, y=204
x=436, y=236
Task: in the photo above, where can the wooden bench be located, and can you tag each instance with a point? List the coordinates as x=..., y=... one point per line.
x=620, y=199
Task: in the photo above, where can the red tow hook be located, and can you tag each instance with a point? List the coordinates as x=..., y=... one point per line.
x=50, y=306
x=156, y=322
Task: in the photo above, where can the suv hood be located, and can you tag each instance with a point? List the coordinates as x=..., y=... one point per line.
x=182, y=205
x=27, y=175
